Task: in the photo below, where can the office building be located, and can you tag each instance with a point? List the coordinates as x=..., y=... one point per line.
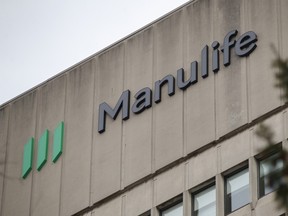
x=160, y=123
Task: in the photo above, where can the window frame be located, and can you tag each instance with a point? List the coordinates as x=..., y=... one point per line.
x=170, y=203
x=147, y=213
x=199, y=189
x=227, y=174
x=260, y=157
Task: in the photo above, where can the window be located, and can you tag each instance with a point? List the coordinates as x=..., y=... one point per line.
x=176, y=210
x=173, y=207
x=237, y=190
x=265, y=170
x=204, y=202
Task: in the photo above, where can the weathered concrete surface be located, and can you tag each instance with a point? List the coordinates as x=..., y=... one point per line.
x=137, y=132
x=168, y=116
x=282, y=8
x=174, y=180
x=263, y=95
x=22, y=123
x=112, y=208
x=107, y=147
x=197, y=176
x=231, y=81
x=199, y=99
x=142, y=194
x=4, y=123
x=75, y=182
x=51, y=102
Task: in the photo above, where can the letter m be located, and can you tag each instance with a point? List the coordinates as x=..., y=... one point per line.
x=104, y=108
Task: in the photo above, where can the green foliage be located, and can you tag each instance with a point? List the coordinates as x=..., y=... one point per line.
x=280, y=177
x=277, y=178
x=282, y=76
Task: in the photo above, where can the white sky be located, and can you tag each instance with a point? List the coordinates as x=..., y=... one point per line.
x=39, y=39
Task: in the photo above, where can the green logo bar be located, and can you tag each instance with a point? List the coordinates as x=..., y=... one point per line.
x=58, y=141
x=27, y=158
x=42, y=150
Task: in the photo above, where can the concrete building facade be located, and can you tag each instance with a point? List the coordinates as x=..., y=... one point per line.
x=164, y=156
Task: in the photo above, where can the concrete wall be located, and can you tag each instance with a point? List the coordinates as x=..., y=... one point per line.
x=211, y=164
x=126, y=164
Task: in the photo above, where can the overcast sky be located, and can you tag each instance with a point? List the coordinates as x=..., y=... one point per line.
x=39, y=39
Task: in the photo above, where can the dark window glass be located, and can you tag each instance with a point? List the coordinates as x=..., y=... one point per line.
x=204, y=202
x=237, y=190
x=265, y=170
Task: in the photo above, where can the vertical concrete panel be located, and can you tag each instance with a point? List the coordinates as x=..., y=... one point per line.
x=4, y=123
x=200, y=105
x=78, y=139
x=208, y=167
x=235, y=150
x=231, y=85
x=187, y=203
x=220, y=188
x=168, y=114
x=138, y=129
x=46, y=182
x=169, y=184
x=17, y=191
x=284, y=27
x=253, y=172
x=264, y=95
x=106, y=174
x=140, y=194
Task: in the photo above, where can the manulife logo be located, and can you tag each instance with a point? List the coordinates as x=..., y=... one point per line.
x=42, y=150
